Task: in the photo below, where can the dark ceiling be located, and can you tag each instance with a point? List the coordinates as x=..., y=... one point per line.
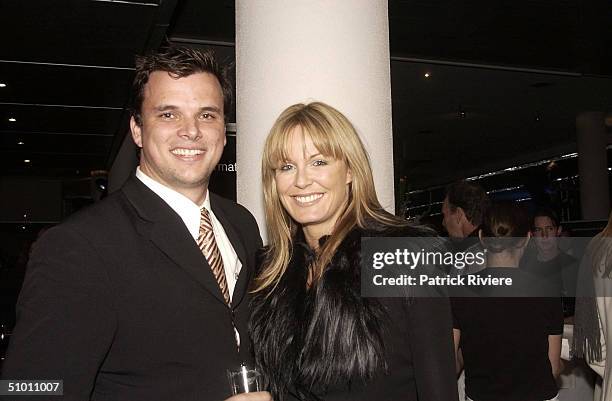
x=520, y=71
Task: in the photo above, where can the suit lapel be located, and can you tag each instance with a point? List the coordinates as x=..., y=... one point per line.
x=183, y=250
x=238, y=244
x=165, y=229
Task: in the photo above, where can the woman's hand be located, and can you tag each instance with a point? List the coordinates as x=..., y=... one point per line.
x=257, y=396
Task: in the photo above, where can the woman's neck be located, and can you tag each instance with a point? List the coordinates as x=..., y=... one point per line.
x=312, y=236
x=503, y=259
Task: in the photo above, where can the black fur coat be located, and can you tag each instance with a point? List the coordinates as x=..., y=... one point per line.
x=307, y=341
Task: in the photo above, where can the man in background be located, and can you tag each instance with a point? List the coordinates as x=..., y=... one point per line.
x=557, y=269
x=463, y=209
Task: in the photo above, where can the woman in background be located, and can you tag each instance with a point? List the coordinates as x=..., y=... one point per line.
x=511, y=343
x=593, y=320
x=314, y=336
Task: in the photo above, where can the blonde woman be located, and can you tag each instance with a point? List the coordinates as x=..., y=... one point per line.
x=314, y=336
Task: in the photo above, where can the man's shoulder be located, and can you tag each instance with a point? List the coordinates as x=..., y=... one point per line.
x=239, y=218
x=101, y=216
x=566, y=259
x=107, y=205
x=230, y=208
x=87, y=228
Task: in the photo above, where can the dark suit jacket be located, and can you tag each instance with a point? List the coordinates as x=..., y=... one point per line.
x=120, y=303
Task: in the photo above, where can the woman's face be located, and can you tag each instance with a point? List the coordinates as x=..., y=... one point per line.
x=313, y=188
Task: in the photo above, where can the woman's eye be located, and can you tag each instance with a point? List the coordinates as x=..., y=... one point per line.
x=319, y=163
x=285, y=167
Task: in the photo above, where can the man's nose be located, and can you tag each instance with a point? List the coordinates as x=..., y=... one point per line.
x=190, y=129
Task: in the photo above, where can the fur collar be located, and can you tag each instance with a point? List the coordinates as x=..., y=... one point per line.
x=308, y=340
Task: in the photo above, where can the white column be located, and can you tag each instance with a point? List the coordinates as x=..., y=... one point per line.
x=593, y=165
x=334, y=51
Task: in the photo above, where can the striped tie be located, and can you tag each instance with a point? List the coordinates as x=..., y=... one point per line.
x=208, y=245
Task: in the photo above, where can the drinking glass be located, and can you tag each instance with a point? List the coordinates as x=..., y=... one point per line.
x=244, y=380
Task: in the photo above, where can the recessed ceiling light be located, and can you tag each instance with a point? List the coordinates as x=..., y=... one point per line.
x=12, y=119
x=27, y=160
x=2, y=85
x=427, y=75
x=21, y=143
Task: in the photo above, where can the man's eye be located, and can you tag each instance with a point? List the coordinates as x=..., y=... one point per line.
x=319, y=163
x=167, y=115
x=207, y=116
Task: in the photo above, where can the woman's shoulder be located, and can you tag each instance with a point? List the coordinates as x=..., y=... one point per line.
x=409, y=236
x=401, y=229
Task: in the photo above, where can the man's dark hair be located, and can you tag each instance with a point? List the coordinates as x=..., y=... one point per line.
x=543, y=211
x=179, y=62
x=470, y=197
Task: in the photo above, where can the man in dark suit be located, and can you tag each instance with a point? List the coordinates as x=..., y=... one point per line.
x=143, y=296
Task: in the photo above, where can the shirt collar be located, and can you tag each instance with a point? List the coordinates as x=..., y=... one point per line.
x=188, y=211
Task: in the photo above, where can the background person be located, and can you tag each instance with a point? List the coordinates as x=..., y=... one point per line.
x=463, y=209
x=593, y=326
x=314, y=336
x=512, y=344
x=558, y=269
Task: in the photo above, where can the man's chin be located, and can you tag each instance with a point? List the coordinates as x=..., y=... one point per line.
x=192, y=181
x=545, y=249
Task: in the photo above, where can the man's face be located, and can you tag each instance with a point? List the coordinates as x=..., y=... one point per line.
x=452, y=220
x=182, y=134
x=545, y=233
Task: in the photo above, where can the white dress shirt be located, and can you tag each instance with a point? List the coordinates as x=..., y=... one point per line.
x=189, y=212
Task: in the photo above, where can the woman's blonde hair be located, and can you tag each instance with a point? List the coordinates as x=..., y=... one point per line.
x=607, y=231
x=334, y=136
